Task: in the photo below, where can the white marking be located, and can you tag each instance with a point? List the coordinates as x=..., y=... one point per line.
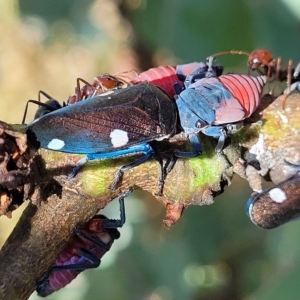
x=55, y=144
x=119, y=138
x=258, y=149
x=106, y=93
x=277, y=195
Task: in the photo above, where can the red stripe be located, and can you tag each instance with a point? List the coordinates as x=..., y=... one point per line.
x=247, y=89
x=164, y=77
x=256, y=89
x=237, y=86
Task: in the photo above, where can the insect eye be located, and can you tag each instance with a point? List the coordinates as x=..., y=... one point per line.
x=198, y=124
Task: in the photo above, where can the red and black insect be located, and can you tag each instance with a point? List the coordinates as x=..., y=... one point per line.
x=84, y=251
x=164, y=77
x=210, y=104
x=101, y=84
x=171, y=78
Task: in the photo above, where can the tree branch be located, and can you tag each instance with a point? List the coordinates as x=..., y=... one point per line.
x=63, y=204
x=275, y=146
x=43, y=230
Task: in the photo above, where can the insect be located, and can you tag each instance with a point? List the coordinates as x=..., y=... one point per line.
x=257, y=59
x=104, y=82
x=171, y=78
x=49, y=106
x=264, y=58
x=125, y=122
x=83, y=251
x=165, y=77
x=275, y=206
x=261, y=58
x=209, y=104
x=101, y=84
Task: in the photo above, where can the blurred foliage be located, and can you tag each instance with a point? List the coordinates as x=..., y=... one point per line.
x=214, y=252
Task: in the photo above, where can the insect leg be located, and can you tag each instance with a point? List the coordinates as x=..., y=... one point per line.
x=109, y=223
x=161, y=176
x=50, y=104
x=195, y=151
x=91, y=239
x=77, y=167
x=171, y=164
x=129, y=166
x=218, y=132
x=144, y=148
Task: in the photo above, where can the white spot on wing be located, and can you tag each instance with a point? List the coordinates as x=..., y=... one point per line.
x=119, y=138
x=277, y=195
x=55, y=144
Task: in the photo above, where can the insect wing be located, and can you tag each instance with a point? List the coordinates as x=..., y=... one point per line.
x=104, y=123
x=227, y=109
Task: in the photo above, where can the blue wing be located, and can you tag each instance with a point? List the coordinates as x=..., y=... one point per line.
x=106, y=123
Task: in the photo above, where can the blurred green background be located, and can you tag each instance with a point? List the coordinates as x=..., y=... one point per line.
x=214, y=252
